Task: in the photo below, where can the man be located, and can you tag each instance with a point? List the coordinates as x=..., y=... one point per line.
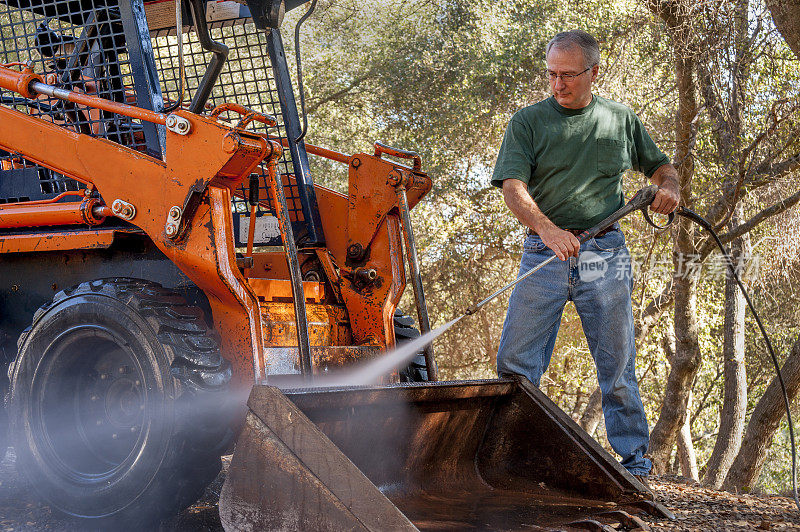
x=560, y=167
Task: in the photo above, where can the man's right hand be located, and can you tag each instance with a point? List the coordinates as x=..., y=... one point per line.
x=563, y=243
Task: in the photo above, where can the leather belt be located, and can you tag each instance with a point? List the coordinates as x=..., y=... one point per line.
x=577, y=232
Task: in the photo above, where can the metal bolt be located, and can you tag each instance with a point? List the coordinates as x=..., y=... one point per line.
x=94, y=397
x=134, y=429
x=175, y=212
x=137, y=383
x=356, y=162
x=355, y=251
x=114, y=436
x=123, y=209
x=395, y=178
x=170, y=229
x=230, y=142
x=178, y=124
x=99, y=422
x=103, y=376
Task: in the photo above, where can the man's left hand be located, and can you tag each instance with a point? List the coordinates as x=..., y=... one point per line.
x=669, y=192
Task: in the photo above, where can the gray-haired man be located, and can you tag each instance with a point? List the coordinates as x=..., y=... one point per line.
x=560, y=167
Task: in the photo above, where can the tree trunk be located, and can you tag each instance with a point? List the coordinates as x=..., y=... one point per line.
x=734, y=403
x=686, y=362
x=686, y=454
x=593, y=413
x=764, y=421
x=685, y=365
x=786, y=14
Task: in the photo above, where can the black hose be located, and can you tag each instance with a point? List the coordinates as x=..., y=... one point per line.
x=299, y=69
x=705, y=224
x=220, y=51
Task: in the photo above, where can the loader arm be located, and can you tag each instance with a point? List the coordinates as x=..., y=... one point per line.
x=187, y=193
x=364, y=235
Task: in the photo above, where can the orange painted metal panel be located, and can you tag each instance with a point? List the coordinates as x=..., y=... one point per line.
x=61, y=241
x=207, y=256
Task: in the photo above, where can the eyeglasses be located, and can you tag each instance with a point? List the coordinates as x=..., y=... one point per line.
x=566, y=78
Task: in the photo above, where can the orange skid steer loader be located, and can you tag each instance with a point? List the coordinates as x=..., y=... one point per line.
x=164, y=253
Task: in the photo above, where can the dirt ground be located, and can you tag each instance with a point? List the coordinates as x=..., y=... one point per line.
x=695, y=508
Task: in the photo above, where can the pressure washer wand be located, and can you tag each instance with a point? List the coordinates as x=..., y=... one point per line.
x=640, y=201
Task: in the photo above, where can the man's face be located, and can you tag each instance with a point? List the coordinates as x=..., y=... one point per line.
x=577, y=93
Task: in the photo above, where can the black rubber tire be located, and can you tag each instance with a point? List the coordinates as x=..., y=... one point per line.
x=405, y=331
x=116, y=403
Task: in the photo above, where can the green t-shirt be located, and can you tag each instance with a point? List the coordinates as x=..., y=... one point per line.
x=573, y=159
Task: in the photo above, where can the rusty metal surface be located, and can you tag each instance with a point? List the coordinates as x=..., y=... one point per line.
x=285, y=475
x=470, y=455
x=59, y=240
x=327, y=324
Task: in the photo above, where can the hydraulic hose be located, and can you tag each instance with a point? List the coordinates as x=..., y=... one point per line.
x=220, y=51
x=300, y=70
x=705, y=224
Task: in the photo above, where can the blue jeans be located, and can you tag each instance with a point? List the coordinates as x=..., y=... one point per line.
x=599, y=282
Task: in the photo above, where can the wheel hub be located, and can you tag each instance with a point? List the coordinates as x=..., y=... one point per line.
x=94, y=405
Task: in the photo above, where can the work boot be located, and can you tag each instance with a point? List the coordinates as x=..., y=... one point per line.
x=643, y=480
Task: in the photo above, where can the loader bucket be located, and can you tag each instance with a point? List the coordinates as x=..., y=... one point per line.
x=468, y=455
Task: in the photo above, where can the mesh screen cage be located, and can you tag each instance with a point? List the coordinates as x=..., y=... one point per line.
x=127, y=52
